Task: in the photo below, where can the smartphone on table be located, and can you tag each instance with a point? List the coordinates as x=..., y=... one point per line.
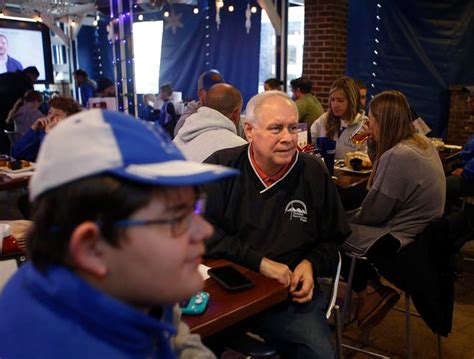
x=230, y=278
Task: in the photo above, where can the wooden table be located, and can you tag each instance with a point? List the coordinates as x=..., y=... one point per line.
x=352, y=188
x=346, y=180
x=226, y=308
x=7, y=183
x=449, y=158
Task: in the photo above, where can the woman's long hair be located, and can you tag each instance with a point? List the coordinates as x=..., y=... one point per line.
x=392, y=113
x=30, y=96
x=350, y=89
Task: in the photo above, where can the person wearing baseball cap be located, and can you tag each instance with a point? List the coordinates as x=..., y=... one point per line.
x=116, y=241
x=205, y=81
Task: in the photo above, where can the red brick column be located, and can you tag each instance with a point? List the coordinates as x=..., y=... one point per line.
x=325, y=35
x=461, y=120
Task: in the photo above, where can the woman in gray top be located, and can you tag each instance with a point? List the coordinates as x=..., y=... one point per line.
x=406, y=193
x=25, y=111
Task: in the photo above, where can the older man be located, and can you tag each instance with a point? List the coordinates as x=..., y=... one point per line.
x=214, y=126
x=283, y=218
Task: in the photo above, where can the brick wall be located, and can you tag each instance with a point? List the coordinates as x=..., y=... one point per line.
x=324, y=57
x=461, y=119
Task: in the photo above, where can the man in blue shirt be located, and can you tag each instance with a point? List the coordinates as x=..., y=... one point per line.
x=87, y=87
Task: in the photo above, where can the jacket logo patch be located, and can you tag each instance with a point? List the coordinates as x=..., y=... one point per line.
x=297, y=209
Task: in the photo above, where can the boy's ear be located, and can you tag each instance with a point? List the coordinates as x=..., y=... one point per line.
x=87, y=249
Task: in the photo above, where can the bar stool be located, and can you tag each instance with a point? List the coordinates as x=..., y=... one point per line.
x=407, y=310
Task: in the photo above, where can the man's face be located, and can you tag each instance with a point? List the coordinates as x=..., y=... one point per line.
x=157, y=264
x=202, y=95
x=274, y=136
x=78, y=79
x=109, y=91
x=3, y=46
x=296, y=93
x=56, y=113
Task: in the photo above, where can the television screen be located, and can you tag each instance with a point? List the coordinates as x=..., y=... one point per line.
x=23, y=44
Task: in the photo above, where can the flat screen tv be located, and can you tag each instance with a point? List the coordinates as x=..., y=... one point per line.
x=27, y=44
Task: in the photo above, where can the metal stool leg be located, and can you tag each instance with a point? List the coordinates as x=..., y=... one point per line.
x=408, y=327
x=348, y=293
x=440, y=349
x=337, y=321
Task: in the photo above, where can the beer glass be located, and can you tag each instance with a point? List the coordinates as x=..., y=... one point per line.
x=361, y=133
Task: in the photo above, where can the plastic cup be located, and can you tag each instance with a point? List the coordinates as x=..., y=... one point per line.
x=8, y=243
x=330, y=155
x=321, y=144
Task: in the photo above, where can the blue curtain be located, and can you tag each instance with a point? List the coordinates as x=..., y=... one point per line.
x=230, y=50
x=422, y=48
x=92, y=43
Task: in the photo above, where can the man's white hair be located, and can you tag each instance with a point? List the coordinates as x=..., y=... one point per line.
x=252, y=111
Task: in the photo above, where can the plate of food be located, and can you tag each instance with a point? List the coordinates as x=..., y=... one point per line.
x=452, y=147
x=17, y=166
x=355, y=162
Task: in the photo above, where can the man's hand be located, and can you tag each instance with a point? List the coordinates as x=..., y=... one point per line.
x=303, y=275
x=46, y=123
x=275, y=270
x=40, y=123
x=50, y=125
x=457, y=172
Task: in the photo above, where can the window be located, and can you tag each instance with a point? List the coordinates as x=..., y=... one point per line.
x=267, y=66
x=147, y=38
x=295, y=44
x=295, y=47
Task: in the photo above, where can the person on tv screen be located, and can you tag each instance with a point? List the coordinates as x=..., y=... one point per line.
x=7, y=63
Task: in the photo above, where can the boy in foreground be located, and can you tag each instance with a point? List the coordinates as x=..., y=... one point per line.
x=116, y=241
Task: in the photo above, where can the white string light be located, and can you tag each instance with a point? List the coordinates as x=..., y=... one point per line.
x=376, y=43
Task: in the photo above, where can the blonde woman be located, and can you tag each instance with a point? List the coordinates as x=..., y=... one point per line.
x=406, y=193
x=342, y=117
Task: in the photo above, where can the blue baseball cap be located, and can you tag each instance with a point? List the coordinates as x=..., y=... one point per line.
x=103, y=142
x=209, y=79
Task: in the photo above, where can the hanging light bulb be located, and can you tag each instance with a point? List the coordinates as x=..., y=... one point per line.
x=95, y=23
x=253, y=9
x=140, y=17
x=166, y=13
x=231, y=8
x=196, y=10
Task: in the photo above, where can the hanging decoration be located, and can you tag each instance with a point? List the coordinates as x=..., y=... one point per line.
x=219, y=5
x=173, y=21
x=248, y=15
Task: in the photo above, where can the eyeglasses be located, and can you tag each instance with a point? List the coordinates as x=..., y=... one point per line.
x=277, y=129
x=178, y=225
